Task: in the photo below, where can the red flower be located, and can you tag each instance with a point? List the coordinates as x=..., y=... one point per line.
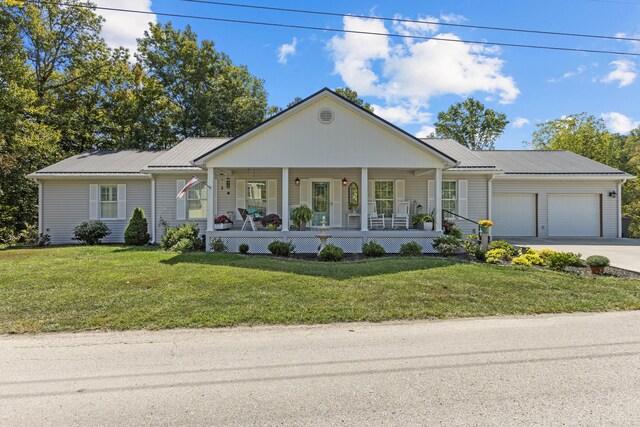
x=223, y=219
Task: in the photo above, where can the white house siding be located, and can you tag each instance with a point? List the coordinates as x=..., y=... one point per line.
x=166, y=191
x=66, y=204
x=545, y=187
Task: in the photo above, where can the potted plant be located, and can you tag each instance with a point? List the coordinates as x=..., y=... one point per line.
x=423, y=219
x=271, y=221
x=597, y=263
x=222, y=222
x=485, y=224
x=300, y=216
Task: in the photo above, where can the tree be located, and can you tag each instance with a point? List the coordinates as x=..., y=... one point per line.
x=471, y=124
x=211, y=96
x=137, y=232
x=352, y=96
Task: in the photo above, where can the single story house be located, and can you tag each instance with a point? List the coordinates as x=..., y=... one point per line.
x=346, y=164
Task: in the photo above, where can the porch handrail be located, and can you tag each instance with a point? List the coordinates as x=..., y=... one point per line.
x=459, y=216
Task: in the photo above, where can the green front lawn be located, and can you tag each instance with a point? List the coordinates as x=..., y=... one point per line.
x=108, y=287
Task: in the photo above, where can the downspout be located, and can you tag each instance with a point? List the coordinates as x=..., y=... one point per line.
x=489, y=197
x=40, y=207
x=620, y=207
x=153, y=209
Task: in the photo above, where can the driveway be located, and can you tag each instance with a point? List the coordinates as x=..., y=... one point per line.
x=623, y=253
x=579, y=369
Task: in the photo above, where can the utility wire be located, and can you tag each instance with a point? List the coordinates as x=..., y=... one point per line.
x=338, y=30
x=414, y=21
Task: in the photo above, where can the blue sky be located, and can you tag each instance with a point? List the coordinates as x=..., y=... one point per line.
x=410, y=82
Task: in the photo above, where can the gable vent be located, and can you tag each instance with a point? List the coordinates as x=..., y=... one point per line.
x=325, y=116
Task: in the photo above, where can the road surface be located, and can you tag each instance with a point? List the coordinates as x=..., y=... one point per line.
x=581, y=369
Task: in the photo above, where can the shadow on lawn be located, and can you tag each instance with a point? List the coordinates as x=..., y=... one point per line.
x=339, y=270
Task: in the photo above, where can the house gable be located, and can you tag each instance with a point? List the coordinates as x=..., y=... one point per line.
x=350, y=138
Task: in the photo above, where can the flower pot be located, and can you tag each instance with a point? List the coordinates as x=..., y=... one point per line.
x=225, y=226
x=428, y=226
x=484, y=230
x=597, y=270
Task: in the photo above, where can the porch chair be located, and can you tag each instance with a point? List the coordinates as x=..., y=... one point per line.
x=247, y=219
x=375, y=220
x=400, y=217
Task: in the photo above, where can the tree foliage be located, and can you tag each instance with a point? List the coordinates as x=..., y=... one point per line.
x=471, y=124
x=352, y=96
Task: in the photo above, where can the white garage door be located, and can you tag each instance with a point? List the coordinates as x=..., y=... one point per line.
x=514, y=215
x=574, y=215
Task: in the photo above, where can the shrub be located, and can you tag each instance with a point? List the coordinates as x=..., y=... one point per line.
x=420, y=219
x=173, y=235
x=560, y=260
x=372, y=249
x=451, y=229
x=331, y=253
x=217, y=245
x=411, y=249
x=183, y=245
x=243, y=248
x=494, y=256
x=136, y=232
x=597, y=261
x=301, y=215
x=447, y=244
x=272, y=220
x=480, y=254
x=528, y=260
x=280, y=248
x=545, y=253
x=471, y=244
x=29, y=237
x=91, y=232
x=508, y=247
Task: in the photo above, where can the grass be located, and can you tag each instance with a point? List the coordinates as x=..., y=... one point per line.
x=109, y=287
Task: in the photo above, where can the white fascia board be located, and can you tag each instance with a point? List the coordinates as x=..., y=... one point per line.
x=561, y=177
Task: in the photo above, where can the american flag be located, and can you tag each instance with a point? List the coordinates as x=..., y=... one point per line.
x=191, y=183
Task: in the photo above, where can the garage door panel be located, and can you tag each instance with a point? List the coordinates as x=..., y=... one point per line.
x=574, y=215
x=514, y=215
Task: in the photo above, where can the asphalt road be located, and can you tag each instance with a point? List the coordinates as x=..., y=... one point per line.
x=548, y=370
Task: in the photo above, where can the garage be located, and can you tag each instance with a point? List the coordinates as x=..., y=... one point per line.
x=574, y=215
x=514, y=215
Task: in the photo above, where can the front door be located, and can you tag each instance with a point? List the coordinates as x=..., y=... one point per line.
x=321, y=202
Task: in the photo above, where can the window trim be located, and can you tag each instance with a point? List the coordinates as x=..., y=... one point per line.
x=100, y=202
x=393, y=194
x=449, y=217
x=205, y=198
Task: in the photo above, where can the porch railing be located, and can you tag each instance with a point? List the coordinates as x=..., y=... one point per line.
x=459, y=216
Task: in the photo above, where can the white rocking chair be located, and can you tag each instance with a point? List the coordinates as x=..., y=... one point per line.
x=400, y=218
x=248, y=219
x=375, y=220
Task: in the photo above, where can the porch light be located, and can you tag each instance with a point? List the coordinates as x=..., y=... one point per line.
x=344, y=181
x=297, y=181
x=613, y=194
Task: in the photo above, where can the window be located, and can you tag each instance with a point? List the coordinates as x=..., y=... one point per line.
x=384, y=197
x=449, y=198
x=109, y=201
x=197, y=201
x=257, y=197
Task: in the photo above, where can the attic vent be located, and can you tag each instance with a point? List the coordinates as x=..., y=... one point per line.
x=325, y=116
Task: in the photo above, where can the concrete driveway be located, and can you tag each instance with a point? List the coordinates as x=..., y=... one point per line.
x=623, y=253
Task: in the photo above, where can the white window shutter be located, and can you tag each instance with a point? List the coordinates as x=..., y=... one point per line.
x=462, y=197
x=241, y=198
x=431, y=195
x=272, y=196
x=93, y=201
x=304, y=193
x=181, y=204
x=371, y=190
x=398, y=191
x=336, y=203
x=213, y=204
x=122, y=201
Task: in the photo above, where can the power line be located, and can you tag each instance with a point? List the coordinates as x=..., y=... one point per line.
x=338, y=30
x=414, y=21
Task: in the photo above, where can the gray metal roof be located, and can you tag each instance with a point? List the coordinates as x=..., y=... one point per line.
x=101, y=162
x=523, y=162
x=182, y=154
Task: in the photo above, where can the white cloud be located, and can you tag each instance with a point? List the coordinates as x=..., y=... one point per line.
x=635, y=46
x=122, y=29
x=286, y=50
x=624, y=73
x=416, y=28
x=569, y=74
x=520, y=122
x=619, y=123
x=452, y=18
x=425, y=131
x=412, y=73
x=402, y=114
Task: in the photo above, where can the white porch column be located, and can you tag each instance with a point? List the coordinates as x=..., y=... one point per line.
x=620, y=209
x=211, y=211
x=364, y=191
x=285, y=199
x=41, y=208
x=438, y=198
x=153, y=209
x=489, y=200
